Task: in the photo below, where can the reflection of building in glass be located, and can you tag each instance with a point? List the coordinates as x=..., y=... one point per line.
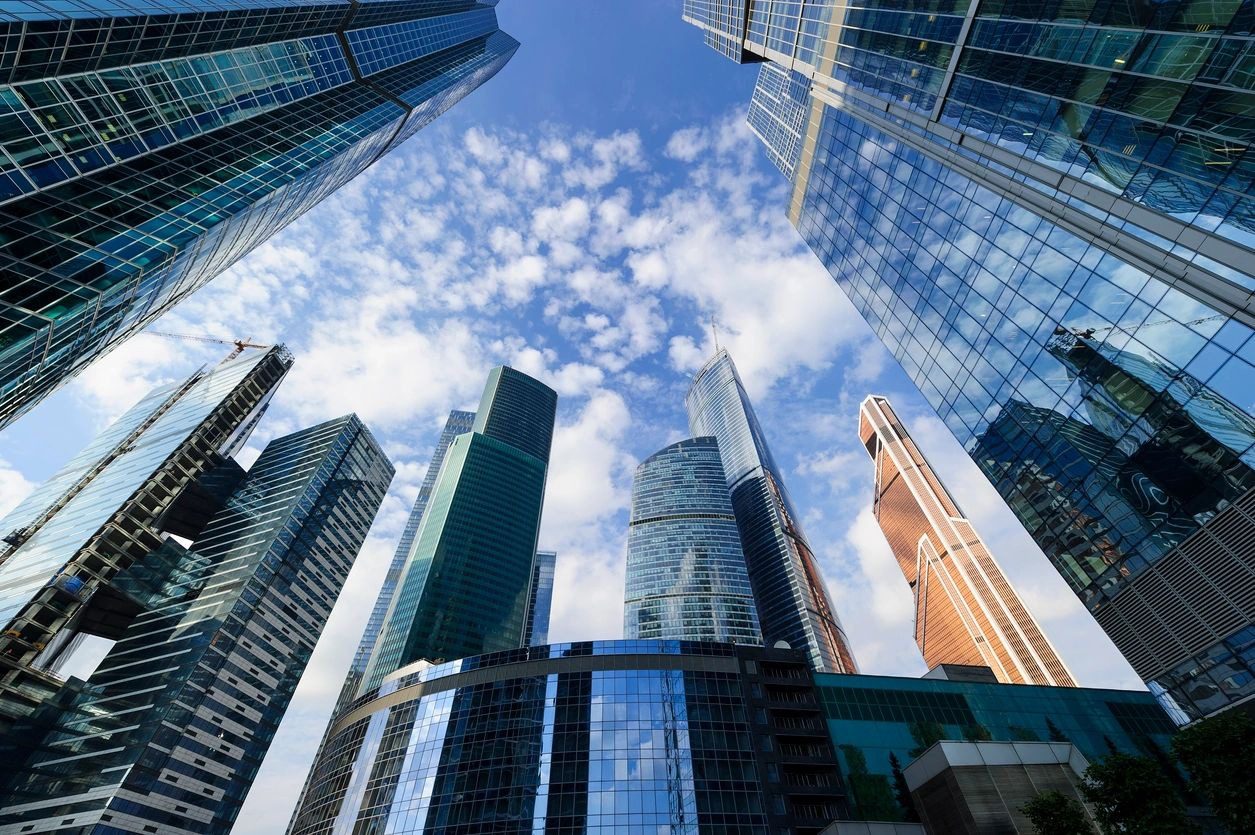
x=170, y=730
x=146, y=147
x=465, y=586
x=165, y=461
x=686, y=575
x=977, y=177
x=540, y=600
x=966, y=612
x=458, y=423
x=670, y=736
x=882, y=724
x=793, y=604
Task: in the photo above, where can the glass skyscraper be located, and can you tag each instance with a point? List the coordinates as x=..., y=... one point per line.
x=163, y=463
x=1044, y=212
x=686, y=574
x=611, y=737
x=466, y=582
x=540, y=599
x=966, y=611
x=793, y=604
x=145, y=147
x=169, y=731
x=458, y=423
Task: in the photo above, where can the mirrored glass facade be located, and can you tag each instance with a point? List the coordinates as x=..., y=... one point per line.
x=1044, y=213
x=540, y=600
x=169, y=731
x=793, y=604
x=144, y=147
x=686, y=574
x=966, y=611
x=64, y=546
x=881, y=724
x=466, y=582
x=670, y=736
x=595, y=737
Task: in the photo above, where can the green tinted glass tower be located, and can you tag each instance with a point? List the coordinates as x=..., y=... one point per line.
x=145, y=146
x=466, y=586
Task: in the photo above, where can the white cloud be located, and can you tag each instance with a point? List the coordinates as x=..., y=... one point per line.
x=13, y=488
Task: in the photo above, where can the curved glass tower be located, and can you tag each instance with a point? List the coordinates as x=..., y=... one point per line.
x=144, y=147
x=686, y=575
x=793, y=605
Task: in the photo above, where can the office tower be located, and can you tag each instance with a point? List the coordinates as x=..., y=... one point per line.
x=458, y=423
x=466, y=582
x=1002, y=189
x=966, y=612
x=145, y=477
x=686, y=574
x=148, y=147
x=793, y=605
x=169, y=731
x=540, y=600
x=677, y=736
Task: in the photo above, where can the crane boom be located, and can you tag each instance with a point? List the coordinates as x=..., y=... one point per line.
x=240, y=344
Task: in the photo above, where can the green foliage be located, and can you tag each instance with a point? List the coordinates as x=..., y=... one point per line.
x=872, y=795
x=1132, y=796
x=1052, y=813
x=1217, y=754
x=925, y=734
x=900, y=789
x=1056, y=734
x=977, y=733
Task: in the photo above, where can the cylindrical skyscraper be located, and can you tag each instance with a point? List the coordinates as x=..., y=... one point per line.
x=965, y=610
x=686, y=575
x=793, y=605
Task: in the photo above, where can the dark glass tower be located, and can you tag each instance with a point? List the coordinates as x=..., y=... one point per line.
x=540, y=599
x=1045, y=209
x=793, y=604
x=686, y=574
x=144, y=147
x=466, y=583
x=168, y=733
x=458, y=423
x=159, y=470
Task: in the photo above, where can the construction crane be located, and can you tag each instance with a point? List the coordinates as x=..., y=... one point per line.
x=1087, y=333
x=240, y=344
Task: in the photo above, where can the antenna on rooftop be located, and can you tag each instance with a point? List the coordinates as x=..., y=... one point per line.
x=715, y=330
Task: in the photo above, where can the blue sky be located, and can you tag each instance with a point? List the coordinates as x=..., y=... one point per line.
x=581, y=217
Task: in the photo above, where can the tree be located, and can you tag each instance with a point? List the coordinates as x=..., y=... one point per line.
x=1052, y=813
x=900, y=789
x=1132, y=796
x=1056, y=734
x=1217, y=753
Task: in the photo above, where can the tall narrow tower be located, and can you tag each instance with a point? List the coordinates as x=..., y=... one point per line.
x=458, y=423
x=540, y=599
x=965, y=610
x=465, y=587
x=144, y=147
x=686, y=574
x=793, y=605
